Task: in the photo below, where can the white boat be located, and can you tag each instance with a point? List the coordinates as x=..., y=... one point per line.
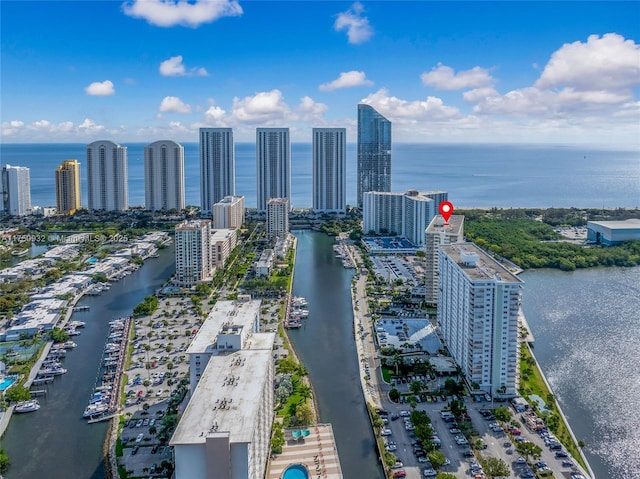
x=77, y=324
x=95, y=409
x=27, y=406
x=69, y=345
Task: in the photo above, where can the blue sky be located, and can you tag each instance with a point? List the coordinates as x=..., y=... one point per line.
x=143, y=70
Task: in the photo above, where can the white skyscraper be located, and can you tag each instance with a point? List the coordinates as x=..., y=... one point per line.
x=277, y=217
x=273, y=162
x=228, y=212
x=329, y=169
x=400, y=214
x=194, y=261
x=15, y=190
x=107, y=176
x=437, y=234
x=217, y=166
x=164, y=176
x=478, y=312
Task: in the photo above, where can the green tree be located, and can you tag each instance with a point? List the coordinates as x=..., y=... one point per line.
x=503, y=414
x=437, y=459
x=17, y=393
x=415, y=387
x=4, y=461
x=390, y=458
x=494, y=467
x=277, y=440
x=394, y=395
x=529, y=449
x=59, y=335
x=304, y=414
x=304, y=391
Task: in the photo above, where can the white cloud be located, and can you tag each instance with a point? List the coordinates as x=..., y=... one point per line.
x=357, y=25
x=310, y=110
x=478, y=94
x=173, y=104
x=602, y=63
x=263, y=107
x=173, y=67
x=347, y=80
x=443, y=77
x=169, y=13
x=97, y=88
x=396, y=109
x=90, y=127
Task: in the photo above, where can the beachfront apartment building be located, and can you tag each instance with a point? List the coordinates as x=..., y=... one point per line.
x=15, y=190
x=374, y=152
x=194, y=262
x=229, y=212
x=273, y=165
x=164, y=176
x=438, y=234
x=68, y=193
x=217, y=166
x=478, y=315
x=400, y=214
x=226, y=427
x=226, y=329
x=107, y=176
x=329, y=148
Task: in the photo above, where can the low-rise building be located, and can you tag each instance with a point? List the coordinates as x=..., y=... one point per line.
x=609, y=233
x=265, y=263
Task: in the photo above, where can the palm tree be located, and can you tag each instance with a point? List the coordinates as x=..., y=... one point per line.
x=396, y=360
x=304, y=391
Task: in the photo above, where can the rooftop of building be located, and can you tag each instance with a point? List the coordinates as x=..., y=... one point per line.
x=631, y=224
x=227, y=399
x=192, y=224
x=454, y=227
x=230, y=199
x=278, y=201
x=477, y=264
x=224, y=314
x=221, y=234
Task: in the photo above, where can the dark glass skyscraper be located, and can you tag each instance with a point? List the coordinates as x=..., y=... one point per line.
x=374, y=151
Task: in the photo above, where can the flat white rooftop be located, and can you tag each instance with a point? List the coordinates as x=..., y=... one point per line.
x=227, y=398
x=486, y=267
x=453, y=228
x=224, y=313
x=630, y=224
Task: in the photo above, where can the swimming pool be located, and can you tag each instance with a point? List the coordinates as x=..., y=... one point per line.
x=295, y=471
x=7, y=382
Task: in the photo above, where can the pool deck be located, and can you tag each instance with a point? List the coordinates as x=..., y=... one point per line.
x=317, y=451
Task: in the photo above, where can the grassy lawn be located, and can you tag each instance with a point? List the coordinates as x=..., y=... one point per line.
x=386, y=374
x=531, y=382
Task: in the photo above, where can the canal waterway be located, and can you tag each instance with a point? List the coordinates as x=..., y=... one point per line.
x=56, y=442
x=326, y=346
x=587, y=329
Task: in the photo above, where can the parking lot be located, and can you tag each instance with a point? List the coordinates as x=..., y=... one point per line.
x=462, y=461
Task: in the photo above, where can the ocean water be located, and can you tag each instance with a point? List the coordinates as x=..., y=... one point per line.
x=474, y=175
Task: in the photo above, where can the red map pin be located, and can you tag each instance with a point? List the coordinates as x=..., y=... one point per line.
x=446, y=210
